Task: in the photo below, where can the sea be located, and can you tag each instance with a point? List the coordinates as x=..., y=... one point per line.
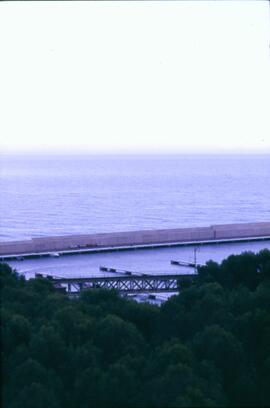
x=58, y=194
x=44, y=195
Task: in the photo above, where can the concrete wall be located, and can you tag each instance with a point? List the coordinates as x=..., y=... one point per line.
x=241, y=230
x=47, y=244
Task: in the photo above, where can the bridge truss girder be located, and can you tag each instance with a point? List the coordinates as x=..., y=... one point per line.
x=132, y=284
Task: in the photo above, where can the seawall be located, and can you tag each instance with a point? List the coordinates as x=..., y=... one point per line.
x=114, y=240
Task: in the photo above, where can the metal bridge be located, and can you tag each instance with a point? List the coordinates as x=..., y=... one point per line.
x=124, y=284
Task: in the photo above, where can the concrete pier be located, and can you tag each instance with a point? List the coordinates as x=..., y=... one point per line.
x=134, y=239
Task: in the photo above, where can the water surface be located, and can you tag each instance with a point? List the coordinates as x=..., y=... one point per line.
x=61, y=195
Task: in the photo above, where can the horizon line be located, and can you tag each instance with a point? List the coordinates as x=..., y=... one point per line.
x=130, y=152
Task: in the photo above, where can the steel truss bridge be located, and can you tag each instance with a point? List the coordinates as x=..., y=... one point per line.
x=124, y=284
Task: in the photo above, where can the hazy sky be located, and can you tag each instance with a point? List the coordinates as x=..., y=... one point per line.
x=135, y=76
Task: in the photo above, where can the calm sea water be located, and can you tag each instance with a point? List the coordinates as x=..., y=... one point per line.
x=151, y=261
x=58, y=195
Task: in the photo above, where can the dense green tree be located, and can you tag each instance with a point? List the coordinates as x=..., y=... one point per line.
x=35, y=395
x=117, y=337
x=209, y=346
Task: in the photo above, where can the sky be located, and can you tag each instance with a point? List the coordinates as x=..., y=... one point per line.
x=135, y=77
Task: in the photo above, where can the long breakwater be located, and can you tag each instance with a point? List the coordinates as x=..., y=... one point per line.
x=135, y=239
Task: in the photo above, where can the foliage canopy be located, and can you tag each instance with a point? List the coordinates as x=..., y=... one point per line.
x=208, y=346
